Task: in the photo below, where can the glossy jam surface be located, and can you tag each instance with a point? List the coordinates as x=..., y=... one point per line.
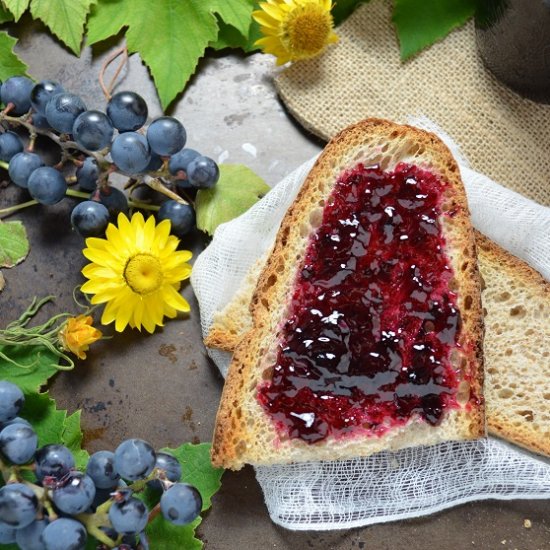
x=373, y=321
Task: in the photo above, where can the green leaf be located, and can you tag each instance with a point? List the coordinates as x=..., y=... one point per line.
x=14, y=245
x=5, y=15
x=107, y=18
x=344, y=8
x=16, y=7
x=65, y=18
x=198, y=471
x=72, y=439
x=40, y=362
x=228, y=37
x=420, y=23
x=236, y=191
x=10, y=64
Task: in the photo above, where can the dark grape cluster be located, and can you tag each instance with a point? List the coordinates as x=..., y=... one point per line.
x=56, y=511
x=94, y=145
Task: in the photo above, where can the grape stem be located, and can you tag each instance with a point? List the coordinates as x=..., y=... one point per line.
x=4, y=165
x=93, y=523
x=107, y=90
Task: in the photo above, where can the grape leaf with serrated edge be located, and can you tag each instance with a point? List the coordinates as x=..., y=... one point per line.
x=5, y=15
x=197, y=471
x=64, y=18
x=14, y=245
x=236, y=191
x=16, y=7
x=170, y=49
x=10, y=64
x=420, y=23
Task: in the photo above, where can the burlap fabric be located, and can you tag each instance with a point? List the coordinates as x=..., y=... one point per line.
x=502, y=134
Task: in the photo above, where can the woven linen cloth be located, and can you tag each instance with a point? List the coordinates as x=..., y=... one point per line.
x=503, y=135
x=390, y=485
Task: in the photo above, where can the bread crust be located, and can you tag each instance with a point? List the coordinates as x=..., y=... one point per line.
x=244, y=433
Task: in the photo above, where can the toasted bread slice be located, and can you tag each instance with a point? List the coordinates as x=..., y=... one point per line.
x=516, y=301
x=247, y=430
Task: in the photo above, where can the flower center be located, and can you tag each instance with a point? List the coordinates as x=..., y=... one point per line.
x=143, y=273
x=306, y=30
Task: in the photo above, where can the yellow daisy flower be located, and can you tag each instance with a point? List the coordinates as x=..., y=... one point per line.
x=136, y=271
x=77, y=334
x=295, y=29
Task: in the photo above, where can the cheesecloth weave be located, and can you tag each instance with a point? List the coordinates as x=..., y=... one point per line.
x=390, y=485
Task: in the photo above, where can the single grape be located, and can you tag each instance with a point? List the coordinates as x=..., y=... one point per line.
x=203, y=172
x=18, y=443
x=10, y=145
x=166, y=136
x=7, y=533
x=30, y=538
x=47, y=185
x=134, y=459
x=40, y=121
x=181, y=216
x=62, y=110
x=16, y=420
x=177, y=165
x=18, y=505
x=101, y=468
x=41, y=94
x=127, y=111
x=113, y=199
x=53, y=461
x=22, y=166
x=93, y=130
x=171, y=469
x=181, y=504
x=64, y=534
x=11, y=400
x=76, y=494
x=87, y=174
x=90, y=219
x=17, y=90
x=129, y=516
x=130, y=152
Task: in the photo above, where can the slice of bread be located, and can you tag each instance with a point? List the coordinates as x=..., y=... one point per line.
x=516, y=302
x=245, y=432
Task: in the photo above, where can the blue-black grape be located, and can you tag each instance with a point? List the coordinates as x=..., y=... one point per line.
x=7, y=533
x=75, y=495
x=40, y=121
x=62, y=110
x=16, y=420
x=127, y=111
x=171, y=468
x=129, y=516
x=181, y=503
x=113, y=199
x=93, y=130
x=10, y=145
x=11, y=400
x=203, y=172
x=166, y=135
x=181, y=216
x=177, y=165
x=41, y=94
x=101, y=468
x=87, y=174
x=22, y=166
x=18, y=505
x=90, y=218
x=130, y=152
x=134, y=459
x=18, y=443
x=154, y=164
x=64, y=534
x=53, y=461
x=30, y=538
x=17, y=91
x=47, y=185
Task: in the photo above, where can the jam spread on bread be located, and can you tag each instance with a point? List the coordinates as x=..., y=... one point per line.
x=373, y=319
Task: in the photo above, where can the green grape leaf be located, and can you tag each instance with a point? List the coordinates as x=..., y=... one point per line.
x=236, y=191
x=65, y=18
x=171, y=37
x=197, y=471
x=5, y=15
x=420, y=23
x=342, y=9
x=16, y=7
x=10, y=64
x=228, y=37
x=14, y=245
x=40, y=365
x=72, y=438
